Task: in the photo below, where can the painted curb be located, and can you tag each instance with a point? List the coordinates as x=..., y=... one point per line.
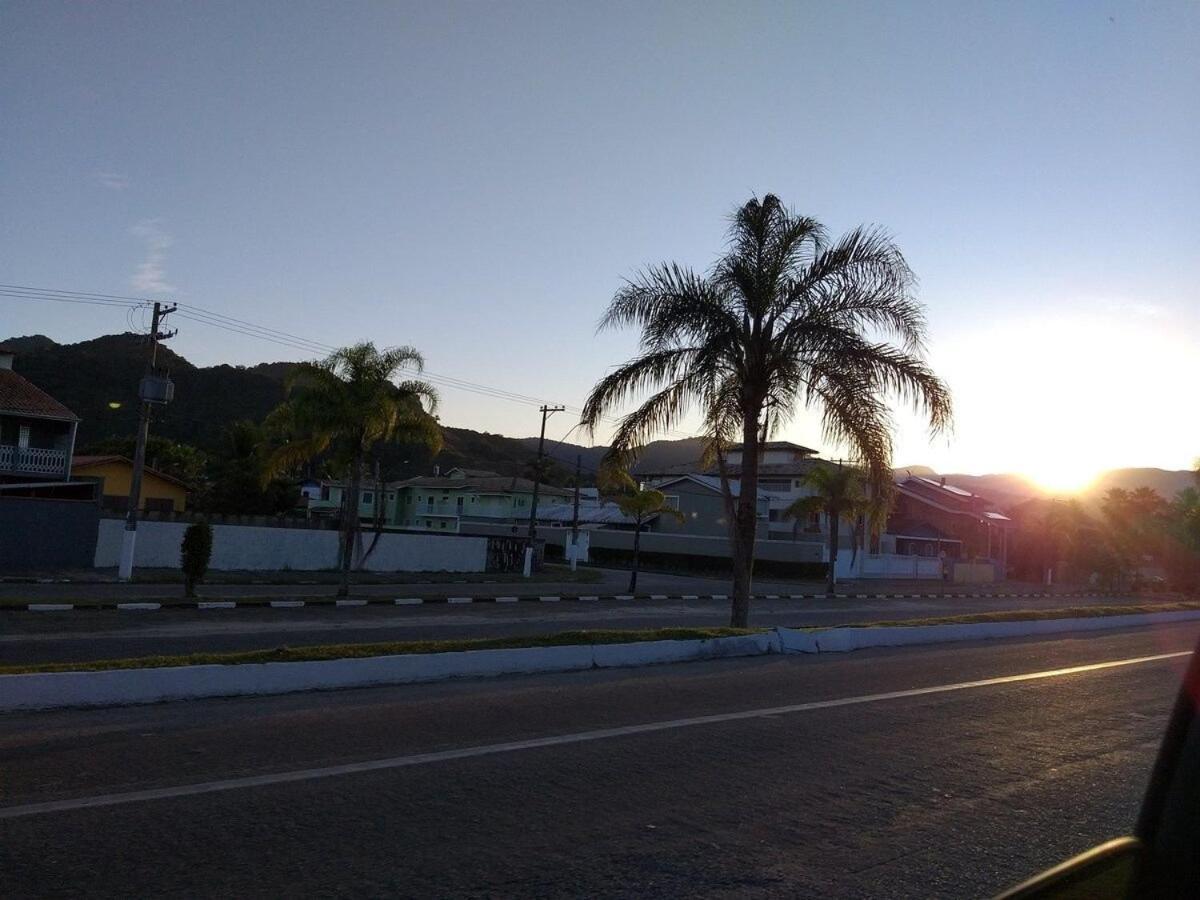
x=843, y=640
x=121, y=687
x=285, y=603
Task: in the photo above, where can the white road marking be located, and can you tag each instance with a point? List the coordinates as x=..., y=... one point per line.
x=579, y=737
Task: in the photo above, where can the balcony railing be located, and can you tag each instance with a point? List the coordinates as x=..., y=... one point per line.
x=32, y=461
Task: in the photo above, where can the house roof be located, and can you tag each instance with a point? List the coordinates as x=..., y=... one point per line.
x=712, y=482
x=950, y=498
x=780, y=445
x=601, y=514
x=491, y=484
x=86, y=461
x=20, y=396
x=476, y=473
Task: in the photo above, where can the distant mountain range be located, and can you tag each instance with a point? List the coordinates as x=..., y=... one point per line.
x=91, y=376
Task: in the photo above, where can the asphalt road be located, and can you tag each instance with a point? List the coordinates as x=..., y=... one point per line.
x=799, y=781
x=29, y=637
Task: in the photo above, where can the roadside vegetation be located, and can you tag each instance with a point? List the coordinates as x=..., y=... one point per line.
x=359, y=651
x=342, y=407
x=1134, y=539
x=786, y=320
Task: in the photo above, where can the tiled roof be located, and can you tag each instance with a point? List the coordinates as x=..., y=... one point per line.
x=20, y=396
x=779, y=445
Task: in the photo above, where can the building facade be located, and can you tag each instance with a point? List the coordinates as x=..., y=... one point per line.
x=37, y=433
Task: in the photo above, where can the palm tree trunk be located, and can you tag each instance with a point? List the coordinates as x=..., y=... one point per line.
x=350, y=526
x=831, y=582
x=744, y=526
x=637, y=540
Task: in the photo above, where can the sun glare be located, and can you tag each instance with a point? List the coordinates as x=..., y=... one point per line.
x=1067, y=478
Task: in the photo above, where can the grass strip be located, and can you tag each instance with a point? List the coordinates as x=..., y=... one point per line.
x=1024, y=615
x=392, y=648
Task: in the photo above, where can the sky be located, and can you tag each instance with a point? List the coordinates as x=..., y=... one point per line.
x=476, y=179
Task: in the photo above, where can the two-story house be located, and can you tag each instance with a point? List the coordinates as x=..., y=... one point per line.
x=441, y=502
x=37, y=433
x=782, y=467
x=465, y=496
x=934, y=519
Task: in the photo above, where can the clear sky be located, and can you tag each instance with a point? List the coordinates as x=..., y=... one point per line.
x=475, y=179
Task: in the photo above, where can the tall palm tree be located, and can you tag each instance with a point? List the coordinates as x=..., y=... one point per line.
x=839, y=493
x=344, y=405
x=639, y=503
x=787, y=319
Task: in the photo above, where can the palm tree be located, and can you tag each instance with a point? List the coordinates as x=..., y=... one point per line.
x=639, y=503
x=345, y=404
x=786, y=320
x=839, y=492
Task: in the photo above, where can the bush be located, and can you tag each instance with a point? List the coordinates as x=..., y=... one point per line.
x=195, y=553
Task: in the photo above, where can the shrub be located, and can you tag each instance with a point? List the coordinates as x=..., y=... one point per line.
x=195, y=553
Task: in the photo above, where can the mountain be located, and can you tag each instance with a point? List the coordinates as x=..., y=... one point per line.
x=98, y=380
x=1167, y=482
x=656, y=457
x=1010, y=490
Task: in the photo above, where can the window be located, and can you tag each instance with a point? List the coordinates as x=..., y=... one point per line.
x=391, y=495
x=368, y=497
x=443, y=524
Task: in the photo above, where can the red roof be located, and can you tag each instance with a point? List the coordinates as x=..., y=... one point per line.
x=22, y=397
x=86, y=461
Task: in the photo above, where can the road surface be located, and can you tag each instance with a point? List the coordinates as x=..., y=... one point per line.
x=766, y=777
x=29, y=637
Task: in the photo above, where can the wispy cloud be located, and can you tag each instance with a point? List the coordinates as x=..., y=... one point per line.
x=150, y=277
x=114, y=181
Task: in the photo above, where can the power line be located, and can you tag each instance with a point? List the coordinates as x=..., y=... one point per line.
x=204, y=316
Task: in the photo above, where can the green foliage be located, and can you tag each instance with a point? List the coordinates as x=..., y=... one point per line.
x=182, y=461
x=359, y=651
x=195, y=553
x=787, y=319
x=340, y=407
x=239, y=484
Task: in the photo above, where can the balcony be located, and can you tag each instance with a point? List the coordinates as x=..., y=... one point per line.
x=32, y=461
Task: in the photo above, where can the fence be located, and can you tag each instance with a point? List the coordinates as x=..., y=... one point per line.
x=43, y=534
x=267, y=548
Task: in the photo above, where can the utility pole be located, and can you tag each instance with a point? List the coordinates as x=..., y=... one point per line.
x=546, y=411
x=575, y=514
x=154, y=388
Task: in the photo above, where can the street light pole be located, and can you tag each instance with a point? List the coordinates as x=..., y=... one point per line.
x=546, y=411
x=148, y=397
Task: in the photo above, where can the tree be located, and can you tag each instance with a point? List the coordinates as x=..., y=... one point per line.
x=786, y=320
x=194, y=553
x=182, y=461
x=240, y=482
x=639, y=503
x=839, y=492
x=341, y=407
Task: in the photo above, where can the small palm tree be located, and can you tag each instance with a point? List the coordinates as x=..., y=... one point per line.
x=640, y=504
x=786, y=319
x=840, y=492
x=345, y=404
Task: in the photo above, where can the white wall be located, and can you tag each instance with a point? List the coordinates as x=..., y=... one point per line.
x=891, y=566
x=268, y=548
